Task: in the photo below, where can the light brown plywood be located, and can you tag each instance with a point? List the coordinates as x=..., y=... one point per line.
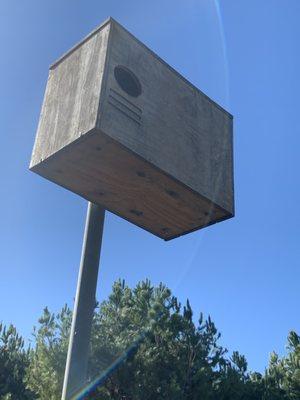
x=124, y=183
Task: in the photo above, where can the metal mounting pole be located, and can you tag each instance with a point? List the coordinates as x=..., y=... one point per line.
x=78, y=351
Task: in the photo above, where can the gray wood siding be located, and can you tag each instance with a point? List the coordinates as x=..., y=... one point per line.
x=180, y=130
x=71, y=102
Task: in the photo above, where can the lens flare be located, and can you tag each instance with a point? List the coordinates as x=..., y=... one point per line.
x=220, y=27
x=100, y=379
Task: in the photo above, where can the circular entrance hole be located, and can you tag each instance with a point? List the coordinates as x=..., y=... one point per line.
x=127, y=81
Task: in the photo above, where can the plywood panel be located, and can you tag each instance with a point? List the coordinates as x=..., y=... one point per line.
x=102, y=171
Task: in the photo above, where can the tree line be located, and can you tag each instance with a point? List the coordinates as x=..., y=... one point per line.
x=145, y=346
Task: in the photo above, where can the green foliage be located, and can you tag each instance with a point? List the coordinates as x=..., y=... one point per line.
x=47, y=359
x=282, y=378
x=147, y=346
x=14, y=360
x=174, y=359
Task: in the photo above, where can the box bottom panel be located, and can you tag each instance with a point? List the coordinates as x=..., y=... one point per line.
x=107, y=173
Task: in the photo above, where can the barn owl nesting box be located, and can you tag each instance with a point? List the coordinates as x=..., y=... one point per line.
x=123, y=129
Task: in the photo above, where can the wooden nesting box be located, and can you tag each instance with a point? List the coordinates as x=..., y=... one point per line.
x=123, y=129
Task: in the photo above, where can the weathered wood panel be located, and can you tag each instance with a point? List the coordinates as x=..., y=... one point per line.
x=71, y=102
x=107, y=173
x=122, y=129
x=180, y=130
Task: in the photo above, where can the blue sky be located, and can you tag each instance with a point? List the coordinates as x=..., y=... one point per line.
x=244, y=272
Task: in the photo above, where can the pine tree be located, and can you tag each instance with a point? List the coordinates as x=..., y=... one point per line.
x=14, y=360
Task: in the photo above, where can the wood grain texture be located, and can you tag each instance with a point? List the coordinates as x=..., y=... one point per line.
x=107, y=173
x=71, y=102
x=161, y=159
x=181, y=131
